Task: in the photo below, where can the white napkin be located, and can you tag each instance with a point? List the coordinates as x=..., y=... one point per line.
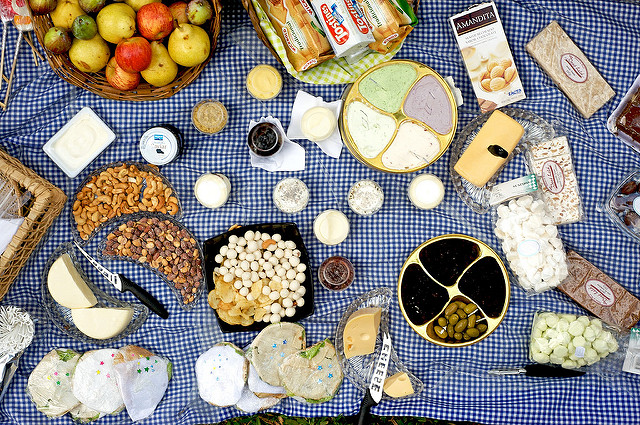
x=332, y=146
x=142, y=383
x=290, y=158
x=8, y=228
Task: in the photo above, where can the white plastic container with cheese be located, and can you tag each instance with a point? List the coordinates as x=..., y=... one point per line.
x=79, y=142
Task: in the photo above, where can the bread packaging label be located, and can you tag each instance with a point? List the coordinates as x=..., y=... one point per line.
x=487, y=56
x=570, y=69
x=346, y=27
x=598, y=293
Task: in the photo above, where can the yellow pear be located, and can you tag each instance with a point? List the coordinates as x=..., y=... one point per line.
x=189, y=45
x=162, y=70
x=65, y=12
x=90, y=55
x=137, y=4
x=116, y=21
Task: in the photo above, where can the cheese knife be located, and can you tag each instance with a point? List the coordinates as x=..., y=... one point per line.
x=538, y=370
x=373, y=394
x=122, y=283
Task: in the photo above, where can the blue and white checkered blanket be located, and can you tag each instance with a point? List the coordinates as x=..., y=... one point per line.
x=456, y=384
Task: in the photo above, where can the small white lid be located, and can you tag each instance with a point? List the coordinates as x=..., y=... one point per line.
x=158, y=146
x=62, y=160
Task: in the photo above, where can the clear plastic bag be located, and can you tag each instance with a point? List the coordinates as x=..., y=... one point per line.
x=531, y=243
x=576, y=342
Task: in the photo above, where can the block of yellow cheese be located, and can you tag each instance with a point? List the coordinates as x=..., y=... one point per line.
x=360, y=332
x=398, y=385
x=489, y=150
x=67, y=287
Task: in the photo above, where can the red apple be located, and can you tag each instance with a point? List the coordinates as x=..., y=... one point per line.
x=133, y=54
x=154, y=21
x=119, y=78
x=179, y=12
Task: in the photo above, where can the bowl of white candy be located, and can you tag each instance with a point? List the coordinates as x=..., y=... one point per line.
x=569, y=340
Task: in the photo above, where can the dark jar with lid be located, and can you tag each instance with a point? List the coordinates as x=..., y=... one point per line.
x=336, y=273
x=265, y=139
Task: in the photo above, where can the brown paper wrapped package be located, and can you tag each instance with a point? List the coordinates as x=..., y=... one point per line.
x=600, y=294
x=570, y=69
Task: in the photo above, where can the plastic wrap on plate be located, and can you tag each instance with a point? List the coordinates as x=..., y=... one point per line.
x=574, y=341
x=170, y=250
x=358, y=369
x=624, y=122
x=623, y=205
x=552, y=163
x=531, y=243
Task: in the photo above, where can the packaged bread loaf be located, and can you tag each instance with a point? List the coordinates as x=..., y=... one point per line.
x=570, y=69
x=299, y=30
x=386, y=23
x=598, y=293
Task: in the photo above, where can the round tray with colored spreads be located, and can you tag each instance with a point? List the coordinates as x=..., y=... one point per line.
x=453, y=290
x=398, y=117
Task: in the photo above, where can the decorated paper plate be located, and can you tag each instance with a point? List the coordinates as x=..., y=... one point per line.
x=398, y=117
x=453, y=290
x=536, y=130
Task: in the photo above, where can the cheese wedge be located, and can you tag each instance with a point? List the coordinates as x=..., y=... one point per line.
x=360, y=332
x=67, y=287
x=490, y=149
x=101, y=323
x=398, y=385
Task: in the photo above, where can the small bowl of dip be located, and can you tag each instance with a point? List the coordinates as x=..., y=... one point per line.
x=331, y=227
x=264, y=82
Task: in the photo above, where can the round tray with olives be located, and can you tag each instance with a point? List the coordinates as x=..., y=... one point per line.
x=453, y=290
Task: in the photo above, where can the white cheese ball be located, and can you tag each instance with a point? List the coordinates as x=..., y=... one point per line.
x=294, y=285
x=290, y=311
x=300, y=302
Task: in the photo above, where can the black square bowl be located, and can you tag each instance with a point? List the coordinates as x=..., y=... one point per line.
x=289, y=232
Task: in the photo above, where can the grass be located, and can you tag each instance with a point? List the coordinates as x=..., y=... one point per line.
x=273, y=419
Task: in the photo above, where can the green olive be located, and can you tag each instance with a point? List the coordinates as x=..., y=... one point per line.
x=461, y=313
x=472, y=320
x=450, y=330
x=466, y=337
x=470, y=308
x=451, y=308
x=453, y=319
x=461, y=325
x=472, y=332
x=481, y=327
x=440, y=331
x=457, y=336
x=442, y=322
x=461, y=304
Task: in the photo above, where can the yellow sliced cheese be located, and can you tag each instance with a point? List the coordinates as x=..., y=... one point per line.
x=67, y=287
x=489, y=150
x=360, y=332
x=101, y=323
x=398, y=385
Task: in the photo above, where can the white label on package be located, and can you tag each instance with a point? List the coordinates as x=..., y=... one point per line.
x=512, y=189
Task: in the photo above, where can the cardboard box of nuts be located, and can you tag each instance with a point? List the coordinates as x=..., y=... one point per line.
x=487, y=56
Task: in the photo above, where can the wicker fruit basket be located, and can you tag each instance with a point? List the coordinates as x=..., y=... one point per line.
x=96, y=82
x=46, y=204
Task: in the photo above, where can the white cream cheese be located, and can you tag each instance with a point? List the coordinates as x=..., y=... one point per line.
x=212, y=190
x=370, y=130
x=331, y=227
x=79, y=142
x=412, y=147
x=318, y=123
x=426, y=191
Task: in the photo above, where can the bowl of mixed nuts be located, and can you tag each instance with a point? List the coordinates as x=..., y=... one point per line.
x=119, y=189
